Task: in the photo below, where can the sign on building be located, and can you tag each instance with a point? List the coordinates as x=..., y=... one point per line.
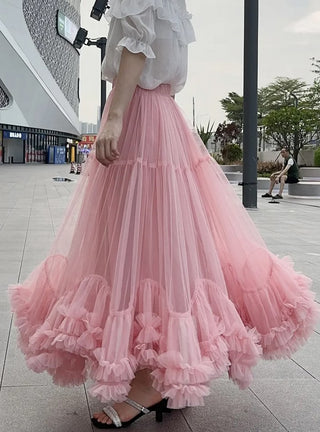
x=66, y=28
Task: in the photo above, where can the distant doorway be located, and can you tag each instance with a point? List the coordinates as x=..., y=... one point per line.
x=13, y=150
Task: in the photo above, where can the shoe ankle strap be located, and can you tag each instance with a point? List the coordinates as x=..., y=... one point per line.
x=137, y=406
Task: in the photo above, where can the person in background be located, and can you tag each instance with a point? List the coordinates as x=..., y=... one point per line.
x=288, y=174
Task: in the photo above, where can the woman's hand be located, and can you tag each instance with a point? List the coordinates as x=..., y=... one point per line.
x=107, y=141
x=130, y=69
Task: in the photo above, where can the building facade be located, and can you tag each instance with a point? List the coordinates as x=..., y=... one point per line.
x=39, y=78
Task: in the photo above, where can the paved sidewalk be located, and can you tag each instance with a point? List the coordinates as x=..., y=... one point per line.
x=285, y=395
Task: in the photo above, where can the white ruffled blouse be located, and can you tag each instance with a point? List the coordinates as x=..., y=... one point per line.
x=160, y=29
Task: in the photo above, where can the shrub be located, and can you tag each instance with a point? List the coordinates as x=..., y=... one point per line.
x=218, y=158
x=231, y=153
x=264, y=169
x=317, y=157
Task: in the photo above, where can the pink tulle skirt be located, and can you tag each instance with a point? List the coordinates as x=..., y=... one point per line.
x=157, y=265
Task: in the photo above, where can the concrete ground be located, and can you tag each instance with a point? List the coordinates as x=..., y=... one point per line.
x=285, y=395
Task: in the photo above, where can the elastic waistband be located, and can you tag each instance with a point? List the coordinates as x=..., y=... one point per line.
x=161, y=89
x=164, y=89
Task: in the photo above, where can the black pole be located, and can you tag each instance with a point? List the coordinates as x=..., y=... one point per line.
x=296, y=131
x=102, y=45
x=250, y=84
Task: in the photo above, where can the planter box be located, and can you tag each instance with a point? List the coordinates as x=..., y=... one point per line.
x=305, y=190
x=310, y=172
x=231, y=168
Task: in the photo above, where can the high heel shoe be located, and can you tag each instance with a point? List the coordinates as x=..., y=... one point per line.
x=159, y=409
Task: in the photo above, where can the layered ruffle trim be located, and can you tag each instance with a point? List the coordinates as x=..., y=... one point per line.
x=173, y=12
x=136, y=46
x=282, y=308
x=81, y=337
x=299, y=316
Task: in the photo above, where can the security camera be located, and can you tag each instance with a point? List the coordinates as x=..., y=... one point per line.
x=99, y=9
x=80, y=38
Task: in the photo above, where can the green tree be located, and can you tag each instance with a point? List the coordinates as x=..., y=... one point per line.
x=263, y=108
x=288, y=108
x=316, y=67
x=290, y=112
x=233, y=107
x=276, y=95
x=292, y=127
x=280, y=93
x=314, y=90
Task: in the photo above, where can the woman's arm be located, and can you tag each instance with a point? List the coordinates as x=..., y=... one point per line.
x=131, y=67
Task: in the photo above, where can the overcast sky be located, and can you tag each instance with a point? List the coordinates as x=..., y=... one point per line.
x=289, y=34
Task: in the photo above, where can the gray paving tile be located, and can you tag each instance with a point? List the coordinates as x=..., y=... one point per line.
x=309, y=356
x=309, y=269
x=18, y=218
x=11, y=255
x=57, y=224
x=47, y=408
x=47, y=227
x=57, y=212
x=4, y=302
x=25, y=271
x=41, y=211
x=38, y=246
x=172, y=422
x=38, y=236
x=6, y=246
x=10, y=266
x=23, y=204
x=279, y=369
x=41, y=221
x=34, y=259
x=294, y=402
x=12, y=235
x=5, y=324
x=8, y=278
x=228, y=409
x=16, y=372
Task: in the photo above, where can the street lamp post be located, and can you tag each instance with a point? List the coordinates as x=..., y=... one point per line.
x=249, y=197
x=296, y=131
x=80, y=40
x=101, y=44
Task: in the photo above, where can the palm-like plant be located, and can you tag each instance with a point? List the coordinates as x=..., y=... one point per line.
x=205, y=133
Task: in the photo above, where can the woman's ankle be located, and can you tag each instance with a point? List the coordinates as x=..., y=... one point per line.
x=143, y=378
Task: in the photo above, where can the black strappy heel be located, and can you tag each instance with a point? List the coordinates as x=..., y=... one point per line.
x=159, y=409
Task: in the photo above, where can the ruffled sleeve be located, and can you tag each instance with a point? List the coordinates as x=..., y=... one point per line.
x=160, y=29
x=138, y=27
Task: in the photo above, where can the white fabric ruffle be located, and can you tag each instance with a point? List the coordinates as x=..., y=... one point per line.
x=135, y=47
x=172, y=11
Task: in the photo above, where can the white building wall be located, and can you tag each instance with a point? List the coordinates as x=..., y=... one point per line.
x=35, y=98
